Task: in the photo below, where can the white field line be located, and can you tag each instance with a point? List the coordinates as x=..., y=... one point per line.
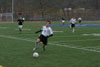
x=75, y=47
x=97, y=47
x=17, y=38
x=68, y=36
x=29, y=40
x=82, y=35
x=93, y=34
x=3, y=27
x=76, y=40
x=24, y=29
x=58, y=31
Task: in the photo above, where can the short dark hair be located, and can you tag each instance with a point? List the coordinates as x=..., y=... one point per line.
x=49, y=22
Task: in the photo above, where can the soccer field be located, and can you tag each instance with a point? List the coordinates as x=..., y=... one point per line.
x=64, y=49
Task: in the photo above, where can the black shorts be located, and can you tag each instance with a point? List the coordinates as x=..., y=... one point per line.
x=72, y=25
x=80, y=21
x=43, y=39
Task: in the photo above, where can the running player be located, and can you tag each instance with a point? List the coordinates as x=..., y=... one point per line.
x=73, y=21
x=20, y=23
x=46, y=33
x=63, y=21
x=80, y=19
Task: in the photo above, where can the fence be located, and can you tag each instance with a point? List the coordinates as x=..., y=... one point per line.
x=32, y=12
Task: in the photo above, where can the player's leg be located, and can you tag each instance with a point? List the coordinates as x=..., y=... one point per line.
x=20, y=28
x=73, y=30
x=44, y=43
x=36, y=44
x=73, y=25
x=44, y=46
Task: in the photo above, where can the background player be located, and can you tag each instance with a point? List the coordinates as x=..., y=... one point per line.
x=46, y=33
x=73, y=21
x=79, y=19
x=20, y=23
x=63, y=20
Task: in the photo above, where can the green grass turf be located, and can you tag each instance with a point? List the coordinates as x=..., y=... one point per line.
x=65, y=49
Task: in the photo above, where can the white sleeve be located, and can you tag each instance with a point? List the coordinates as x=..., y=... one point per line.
x=51, y=32
x=70, y=21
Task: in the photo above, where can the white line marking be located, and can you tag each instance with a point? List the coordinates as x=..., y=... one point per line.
x=93, y=34
x=76, y=40
x=82, y=35
x=75, y=47
x=29, y=40
x=96, y=47
x=58, y=31
x=68, y=36
x=3, y=27
x=24, y=29
x=16, y=38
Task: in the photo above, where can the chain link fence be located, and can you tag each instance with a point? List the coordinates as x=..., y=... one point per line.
x=9, y=10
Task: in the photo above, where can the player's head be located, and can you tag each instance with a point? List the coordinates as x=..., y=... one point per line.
x=48, y=23
x=20, y=17
x=73, y=17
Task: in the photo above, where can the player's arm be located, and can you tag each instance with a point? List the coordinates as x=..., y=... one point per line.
x=50, y=35
x=70, y=21
x=23, y=18
x=38, y=31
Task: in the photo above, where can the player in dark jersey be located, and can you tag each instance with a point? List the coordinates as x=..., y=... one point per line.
x=20, y=23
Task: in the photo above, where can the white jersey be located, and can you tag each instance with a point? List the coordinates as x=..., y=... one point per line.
x=79, y=18
x=73, y=21
x=63, y=21
x=46, y=31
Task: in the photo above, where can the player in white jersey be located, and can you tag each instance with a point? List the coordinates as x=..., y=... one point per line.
x=46, y=33
x=63, y=21
x=80, y=19
x=73, y=21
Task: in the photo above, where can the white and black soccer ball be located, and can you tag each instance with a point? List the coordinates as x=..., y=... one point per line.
x=35, y=55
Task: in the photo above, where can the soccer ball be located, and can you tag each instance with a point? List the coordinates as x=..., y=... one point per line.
x=35, y=54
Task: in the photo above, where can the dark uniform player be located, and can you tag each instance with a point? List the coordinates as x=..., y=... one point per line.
x=20, y=23
x=46, y=33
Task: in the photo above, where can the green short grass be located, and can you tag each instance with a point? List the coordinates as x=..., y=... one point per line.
x=64, y=49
